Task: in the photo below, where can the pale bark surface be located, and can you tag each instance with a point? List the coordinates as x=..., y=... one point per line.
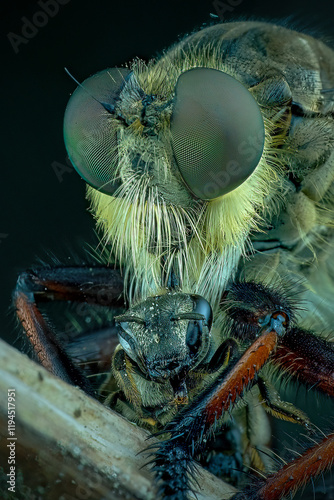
x=71, y=447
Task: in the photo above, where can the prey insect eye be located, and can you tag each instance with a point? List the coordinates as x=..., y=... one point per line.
x=202, y=306
x=90, y=140
x=194, y=336
x=126, y=339
x=217, y=132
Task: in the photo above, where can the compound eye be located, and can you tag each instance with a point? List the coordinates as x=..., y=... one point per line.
x=202, y=306
x=90, y=139
x=126, y=340
x=217, y=132
x=194, y=336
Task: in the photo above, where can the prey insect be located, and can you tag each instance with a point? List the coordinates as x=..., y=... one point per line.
x=210, y=174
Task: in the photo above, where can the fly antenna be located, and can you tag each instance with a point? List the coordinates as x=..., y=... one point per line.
x=108, y=107
x=76, y=81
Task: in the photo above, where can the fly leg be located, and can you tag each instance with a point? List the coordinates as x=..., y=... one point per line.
x=173, y=458
x=294, y=474
x=94, y=285
x=307, y=358
x=310, y=360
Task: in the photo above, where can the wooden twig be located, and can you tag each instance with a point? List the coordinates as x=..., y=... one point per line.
x=69, y=446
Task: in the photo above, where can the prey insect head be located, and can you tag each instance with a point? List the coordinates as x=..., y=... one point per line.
x=167, y=335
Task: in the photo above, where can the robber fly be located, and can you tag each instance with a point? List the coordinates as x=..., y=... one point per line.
x=209, y=173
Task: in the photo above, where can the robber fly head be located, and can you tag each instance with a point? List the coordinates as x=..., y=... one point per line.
x=170, y=149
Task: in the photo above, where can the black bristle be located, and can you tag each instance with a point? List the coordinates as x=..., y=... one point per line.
x=171, y=466
x=248, y=302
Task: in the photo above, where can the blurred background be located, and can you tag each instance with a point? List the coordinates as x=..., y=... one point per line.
x=43, y=207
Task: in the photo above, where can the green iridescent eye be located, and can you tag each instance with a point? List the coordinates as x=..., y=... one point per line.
x=217, y=132
x=90, y=139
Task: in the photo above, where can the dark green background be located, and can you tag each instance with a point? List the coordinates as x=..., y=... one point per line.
x=38, y=213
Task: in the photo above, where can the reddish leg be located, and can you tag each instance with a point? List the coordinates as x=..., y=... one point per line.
x=293, y=475
x=101, y=286
x=249, y=305
x=310, y=360
x=307, y=358
x=173, y=458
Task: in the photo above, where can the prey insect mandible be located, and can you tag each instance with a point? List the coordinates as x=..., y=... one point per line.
x=210, y=174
